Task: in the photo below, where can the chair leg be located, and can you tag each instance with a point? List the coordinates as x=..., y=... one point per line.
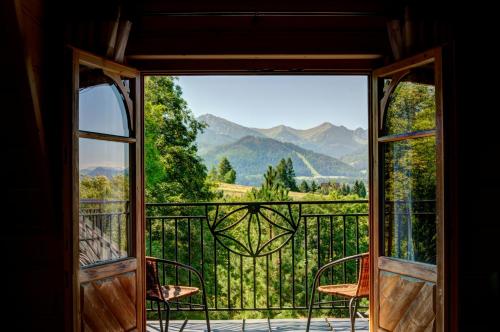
x=309, y=314
x=205, y=303
x=353, y=307
x=159, y=316
x=207, y=319
x=168, y=316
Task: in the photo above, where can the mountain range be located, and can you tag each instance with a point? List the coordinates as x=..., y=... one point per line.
x=108, y=172
x=323, y=152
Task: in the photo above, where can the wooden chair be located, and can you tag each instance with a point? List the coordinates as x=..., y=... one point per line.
x=354, y=292
x=169, y=294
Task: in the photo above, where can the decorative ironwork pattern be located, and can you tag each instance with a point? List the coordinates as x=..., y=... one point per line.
x=260, y=220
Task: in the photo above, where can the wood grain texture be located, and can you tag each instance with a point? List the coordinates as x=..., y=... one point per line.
x=118, y=301
x=421, y=313
x=95, y=61
x=96, y=313
x=107, y=304
x=417, y=270
x=408, y=63
x=107, y=270
x=406, y=304
x=128, y=282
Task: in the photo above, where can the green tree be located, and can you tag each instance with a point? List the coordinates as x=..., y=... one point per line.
x=286, y=174
x=345, y=189
x=314, y=186
x=173, y=169
x=304, y=187
x=224, y=166
x=225, y=171
x=290, y=175
x=230, y=177
x=359, y=188
x=213, y=175
x=271, y=189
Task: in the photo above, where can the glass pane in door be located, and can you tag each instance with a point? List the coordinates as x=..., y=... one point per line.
x=104, y=200
x=410, y=199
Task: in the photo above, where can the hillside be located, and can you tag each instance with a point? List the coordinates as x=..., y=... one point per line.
x=327, y=139
x=220, y=131
x=250, y=157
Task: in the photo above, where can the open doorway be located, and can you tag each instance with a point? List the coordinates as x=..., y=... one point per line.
x=257, y=182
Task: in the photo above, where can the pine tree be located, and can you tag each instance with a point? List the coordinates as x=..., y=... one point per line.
x=281, y=172
x=224, y=172
x=355, y=188
x=314, y=186
x=230, y=177
x=290, y=172
x=286, y=174
x=362, y=189
x=304, y=187
x=213, y=175
x=224, y=167
x=345, y=190
x=272, y=188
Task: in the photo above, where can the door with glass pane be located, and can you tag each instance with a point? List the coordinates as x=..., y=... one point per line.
x=406, y=236
x=108, y=195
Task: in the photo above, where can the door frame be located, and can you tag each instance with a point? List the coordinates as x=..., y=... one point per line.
x=377, y=261
x=134, y=261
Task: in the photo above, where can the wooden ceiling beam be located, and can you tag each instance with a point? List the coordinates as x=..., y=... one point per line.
x=159, y=24
x=207, y=42
x=277, y=7
x=231, y=66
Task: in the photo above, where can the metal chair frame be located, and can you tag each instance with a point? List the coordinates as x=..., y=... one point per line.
x=167, y=303
x=354, y=300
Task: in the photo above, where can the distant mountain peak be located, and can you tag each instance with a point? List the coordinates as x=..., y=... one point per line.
x=326, y=125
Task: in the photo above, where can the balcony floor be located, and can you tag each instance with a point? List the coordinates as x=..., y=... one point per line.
x=263, y=325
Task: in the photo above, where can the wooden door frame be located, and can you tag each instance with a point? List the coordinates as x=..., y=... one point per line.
x=134, y=262
x=421, y=271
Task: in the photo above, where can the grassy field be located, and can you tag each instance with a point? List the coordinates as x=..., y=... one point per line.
x=237, y=190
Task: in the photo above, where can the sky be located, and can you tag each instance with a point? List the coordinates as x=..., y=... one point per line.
x=300, y=102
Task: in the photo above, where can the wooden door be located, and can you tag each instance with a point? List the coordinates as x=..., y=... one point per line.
x=107, y=196
x=406, y=236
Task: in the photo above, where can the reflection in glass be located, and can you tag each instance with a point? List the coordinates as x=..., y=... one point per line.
x=410, y=199
x=101, y=105
x=412, y=105
x=104, y=200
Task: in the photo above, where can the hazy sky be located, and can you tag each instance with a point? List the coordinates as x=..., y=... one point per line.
x=265, y=101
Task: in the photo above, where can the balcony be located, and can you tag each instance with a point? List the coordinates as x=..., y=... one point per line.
x=258, y=260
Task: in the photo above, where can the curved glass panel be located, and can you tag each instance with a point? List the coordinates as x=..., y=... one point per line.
x=101, y=106
x=104, y=190
x=412, y=104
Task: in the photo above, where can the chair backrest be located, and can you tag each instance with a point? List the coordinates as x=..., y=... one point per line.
x=153, y=286
x=364, y=277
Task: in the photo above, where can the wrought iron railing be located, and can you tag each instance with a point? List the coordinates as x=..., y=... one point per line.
x=257, y=255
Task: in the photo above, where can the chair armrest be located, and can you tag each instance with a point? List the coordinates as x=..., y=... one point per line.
x=338, y=261
x=183, y=266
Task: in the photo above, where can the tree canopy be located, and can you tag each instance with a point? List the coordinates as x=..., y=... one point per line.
x=173, y=169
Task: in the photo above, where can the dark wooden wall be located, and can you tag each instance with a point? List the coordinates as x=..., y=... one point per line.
x=474, y=177
x=32, y=232
x=32, y=166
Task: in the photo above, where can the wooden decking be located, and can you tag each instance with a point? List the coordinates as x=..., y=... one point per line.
x=262, y=325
